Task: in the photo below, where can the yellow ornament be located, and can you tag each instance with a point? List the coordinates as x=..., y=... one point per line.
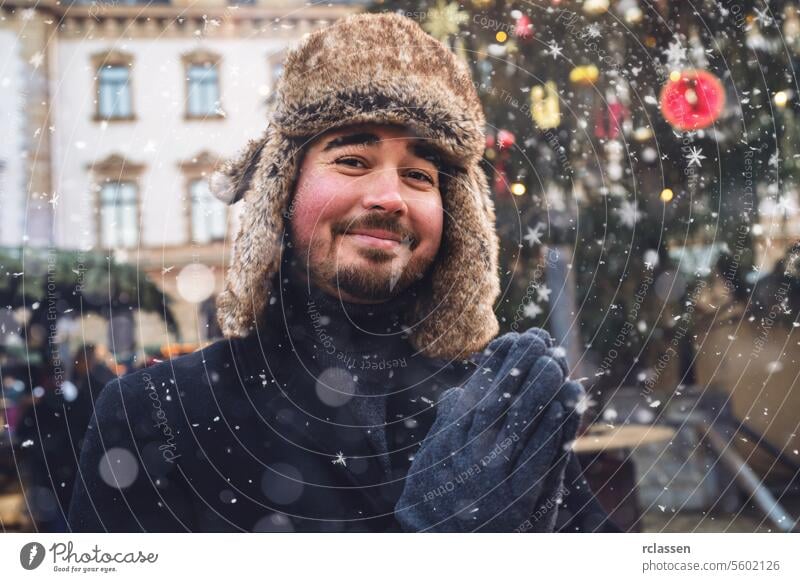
x=445, y=20
x=584, y=75
x=595, y=7
x=482, y=4
x=545, y=108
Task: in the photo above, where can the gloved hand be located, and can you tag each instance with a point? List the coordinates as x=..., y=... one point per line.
x=496, y=453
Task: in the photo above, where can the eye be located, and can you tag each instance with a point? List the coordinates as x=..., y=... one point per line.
x=349, y=161
x=418, y=175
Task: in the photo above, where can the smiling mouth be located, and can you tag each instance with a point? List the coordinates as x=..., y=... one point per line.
x=379, y=238
x=375, y=241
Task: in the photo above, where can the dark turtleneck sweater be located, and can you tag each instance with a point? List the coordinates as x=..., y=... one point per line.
x=355, y=375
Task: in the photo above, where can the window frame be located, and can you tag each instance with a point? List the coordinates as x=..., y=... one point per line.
x=103, y=204
x=200, y=167
x=202, y=58
x=191, y=183
x=116, y=169
x=113, y=58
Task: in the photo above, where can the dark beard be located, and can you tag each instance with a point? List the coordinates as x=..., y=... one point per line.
x=374, y=285
x=366, y=284
x=390, y=275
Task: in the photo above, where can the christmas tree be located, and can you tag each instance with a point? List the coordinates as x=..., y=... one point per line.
x=638, y=138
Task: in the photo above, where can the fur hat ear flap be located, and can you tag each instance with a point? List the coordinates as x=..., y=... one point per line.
x=230, y=183
x=265, y=185
x=458, y=318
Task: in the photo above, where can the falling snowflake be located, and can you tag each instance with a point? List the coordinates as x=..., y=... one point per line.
x=340, y=459
x=650, y=259
x=531, y=310
x=555, y=50
x=762, y=17
x=543, y=293
x=774, y=367
x=628, y=213
x=37, y=60
x=585, y=402
x=27, y=443
x=695, y=157
x=676, y=54
x=593, y=30
x=534, y=235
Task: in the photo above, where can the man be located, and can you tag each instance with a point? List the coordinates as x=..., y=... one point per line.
x=360, y=295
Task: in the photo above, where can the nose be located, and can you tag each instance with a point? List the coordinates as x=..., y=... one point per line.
x=383, y=193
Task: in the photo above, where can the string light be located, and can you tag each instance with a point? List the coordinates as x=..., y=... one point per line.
x=518, y=188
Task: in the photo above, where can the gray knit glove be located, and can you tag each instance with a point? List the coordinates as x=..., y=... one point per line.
x=495, y=456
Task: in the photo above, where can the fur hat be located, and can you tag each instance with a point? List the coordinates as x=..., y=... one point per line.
x=372, y=68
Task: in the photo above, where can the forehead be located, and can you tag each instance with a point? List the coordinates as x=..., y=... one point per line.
x=390, y=130
x=369, y=135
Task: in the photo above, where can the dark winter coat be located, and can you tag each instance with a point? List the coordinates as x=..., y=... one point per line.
x=269, y=433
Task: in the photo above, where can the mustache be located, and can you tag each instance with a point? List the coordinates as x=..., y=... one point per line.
x=378, y=221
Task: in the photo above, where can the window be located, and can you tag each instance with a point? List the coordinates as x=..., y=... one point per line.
x=206, y=217
x=203, y=99
x=116, y=183
x=202, y=85
x=114, y=96
x=209, y=216
x=119, y=215
x=113, y=83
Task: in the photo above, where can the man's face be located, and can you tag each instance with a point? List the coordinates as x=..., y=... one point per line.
x=367, y=212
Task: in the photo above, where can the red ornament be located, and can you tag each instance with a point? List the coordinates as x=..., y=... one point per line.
x=693, y=101
x=505, y=139
x=608, y=120
x=500, y=186
x=524, y=28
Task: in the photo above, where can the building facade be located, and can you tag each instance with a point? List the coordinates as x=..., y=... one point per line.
x=116, y=113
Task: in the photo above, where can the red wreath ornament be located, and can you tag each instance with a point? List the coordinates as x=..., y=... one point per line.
x=692, y=99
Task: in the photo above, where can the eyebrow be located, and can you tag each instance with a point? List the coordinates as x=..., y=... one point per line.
x=369, y=139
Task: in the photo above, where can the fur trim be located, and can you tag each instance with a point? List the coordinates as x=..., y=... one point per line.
x=380, y=68
x=222, y=187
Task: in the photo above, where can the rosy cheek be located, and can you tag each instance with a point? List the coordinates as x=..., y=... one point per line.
x=430, y=221
x=314, y=208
